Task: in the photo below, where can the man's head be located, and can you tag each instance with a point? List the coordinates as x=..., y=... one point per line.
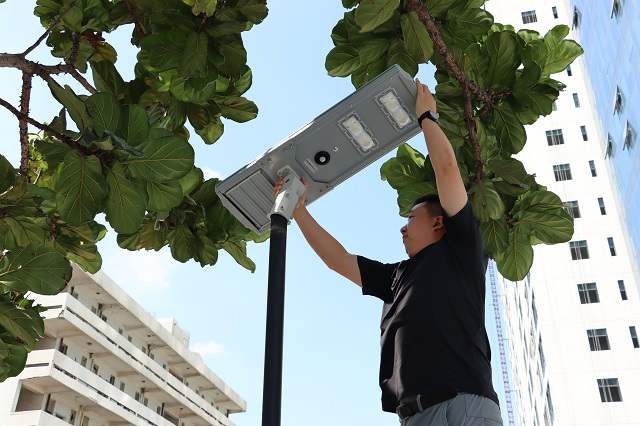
x=424, y=225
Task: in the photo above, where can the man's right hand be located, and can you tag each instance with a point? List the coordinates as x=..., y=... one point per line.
x=301, y=205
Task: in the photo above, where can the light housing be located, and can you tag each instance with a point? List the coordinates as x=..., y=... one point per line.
x=333, y=147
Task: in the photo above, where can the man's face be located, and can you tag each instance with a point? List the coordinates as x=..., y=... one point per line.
x=421, y=229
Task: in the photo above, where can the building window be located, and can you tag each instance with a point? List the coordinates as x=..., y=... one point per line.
x=112, y=380
x=550, y=404
x=569, y=72
x=529, y=16
x=579, y=249
x=588, y=293
x=576, y=100
x=95, y=368
x=555, y=137
x=122, y=386
x=618, y=103
x=623, y=290
x=629, y=136
x=634, y=337
x=583, y=130
x=610, y=147
x=616, y=9
x=572, y=208
x=577, y=18
x=609, y=390
x=592, y=167
x=83, y=361
x=562, y=172
x=554, y=10
x=603, y=210
x=598, y=339
x=612, y=247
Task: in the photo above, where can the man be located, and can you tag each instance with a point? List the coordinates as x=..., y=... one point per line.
x=435, y=364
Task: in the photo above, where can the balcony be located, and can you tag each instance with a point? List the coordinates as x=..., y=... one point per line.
x=52, y=372
x=69, y=315
x=35, y=418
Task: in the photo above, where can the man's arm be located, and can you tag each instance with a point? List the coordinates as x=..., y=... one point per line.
x=332, y=253
x=451, y=190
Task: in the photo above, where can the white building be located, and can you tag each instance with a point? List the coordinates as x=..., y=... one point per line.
x=105, y=361
x=572, y=324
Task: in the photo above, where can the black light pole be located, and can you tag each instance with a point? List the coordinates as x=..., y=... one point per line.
x=272, y=388
x=285, y=202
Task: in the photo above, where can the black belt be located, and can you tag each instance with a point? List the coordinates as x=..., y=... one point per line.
x=419, y=403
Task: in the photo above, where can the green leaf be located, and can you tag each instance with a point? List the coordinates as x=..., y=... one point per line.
x=73, y=104
x=16, y=232
x=510, y=133
x=372, y=13
x=416, y=38
x=191, y=181
x=52, y=151
x=342, y=61
x=562, y=52
x=504, y=59
x=516, y=261
x=238, y=109
x=408, y=194
x=163, y=50
x=134, y=124
x=372, y=49
x=40, y=269
x=166, y=157
x=486, y=202
x=194, y=59
x=104, y=111
x=439, y=7
x=212, y=131
x=398, y=55
x=163, y=196
x=126, y=201
x=243, y=83
x=254, y=10
x=238, y=250
x=543, y=213
x=234, y=54
x=24, y=325
x=146, y=237
x=510, y=169
x=80, y=188
x=107, y=78
x=405, y=169
x=495, y=234
x=208, y=7
x=183, y=243
x=7, y=174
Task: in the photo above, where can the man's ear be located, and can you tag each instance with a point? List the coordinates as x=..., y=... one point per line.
x=437, y=223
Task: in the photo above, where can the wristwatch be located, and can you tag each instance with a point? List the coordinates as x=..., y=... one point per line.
x=431, y=115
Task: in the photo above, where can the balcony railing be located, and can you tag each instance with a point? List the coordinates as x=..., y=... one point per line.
x=51, y=363
x=81, y=317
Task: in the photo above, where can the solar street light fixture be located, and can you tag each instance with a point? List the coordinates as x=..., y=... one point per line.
x=333, y=147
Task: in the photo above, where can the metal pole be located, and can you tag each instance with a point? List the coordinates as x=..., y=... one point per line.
x=272, y=388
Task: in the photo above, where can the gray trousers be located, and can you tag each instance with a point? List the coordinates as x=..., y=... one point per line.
x=464, y=410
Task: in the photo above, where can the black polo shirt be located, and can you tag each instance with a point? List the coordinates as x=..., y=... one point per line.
x=434, y=340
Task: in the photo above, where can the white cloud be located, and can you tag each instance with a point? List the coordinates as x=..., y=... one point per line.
x=140, y=271
x=210, y=173
x=207, y=348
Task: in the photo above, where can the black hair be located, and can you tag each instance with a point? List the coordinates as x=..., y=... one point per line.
x=431, y=203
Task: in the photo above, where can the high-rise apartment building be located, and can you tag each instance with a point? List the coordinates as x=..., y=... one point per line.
x=105, y=361
x=609, y=33
x=572, y=324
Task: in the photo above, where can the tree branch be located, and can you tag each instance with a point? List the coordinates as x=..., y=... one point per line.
x=12, y=60
x=62, y=138
x=138, y=23
x=468, y=87
x=25, y=98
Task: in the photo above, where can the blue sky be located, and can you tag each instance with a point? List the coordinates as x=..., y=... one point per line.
x=331, y=333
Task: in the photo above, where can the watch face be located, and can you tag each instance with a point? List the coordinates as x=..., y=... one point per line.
x=435, y=115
